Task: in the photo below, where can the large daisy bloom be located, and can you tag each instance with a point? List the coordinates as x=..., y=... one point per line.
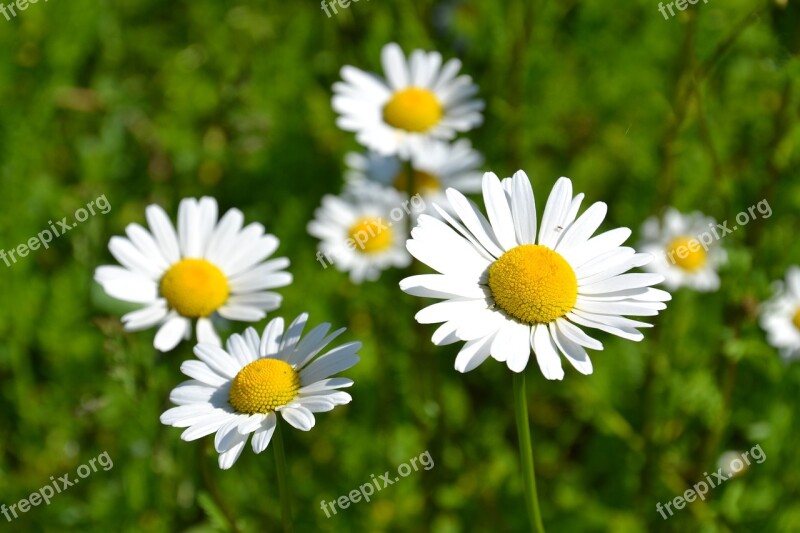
x=208, y=267
x=780, y=316
x=436, y=165
x=419, y=99
x=685, y=249
x=362, y=232
x=507, y=292
x=240, y=390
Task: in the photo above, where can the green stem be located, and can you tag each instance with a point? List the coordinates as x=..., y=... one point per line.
x=526, y=453
x=283, y=479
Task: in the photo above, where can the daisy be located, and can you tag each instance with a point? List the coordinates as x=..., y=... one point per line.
x=506, y=292
x=780, y=316
x=419, y=100
x=436, y=165
x=362, y=232
x=206, y=268
x=239, y=390
x=685, y=251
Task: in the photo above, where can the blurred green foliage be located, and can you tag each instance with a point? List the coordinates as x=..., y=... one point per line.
x=148, y=101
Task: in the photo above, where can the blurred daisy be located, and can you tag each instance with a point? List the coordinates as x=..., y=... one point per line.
x=207, y=268
x=437, y=166
x=685, y=250
x=420, y=99
x=506, y=293
x=362, y=232
x=780, y=316
x=239, y=390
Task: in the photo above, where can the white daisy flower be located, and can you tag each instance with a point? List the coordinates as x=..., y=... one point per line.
x=362, y=232
x=420, y=99
x=685, y=250
x=780, y=316
x=505, y=292
x=206, y=268
x=437, y=166
x=238, y=391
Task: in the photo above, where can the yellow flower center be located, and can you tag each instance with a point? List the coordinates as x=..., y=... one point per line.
x=413, y=109
x=796, y=319
x=194, y=287
x=687, y=253
x=533, y=284
x=371, y=235
x=264, y=385
x=423, y=182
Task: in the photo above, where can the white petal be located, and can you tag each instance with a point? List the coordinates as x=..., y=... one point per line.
x=211, y=424
x=473, y=353
x=163, y=232
x=271, y=338
x=582, y=229
x=475, y=222
x=574, y=352
x=171, y=333
x=440, y=286
x=218, y=360
x=240, y=350
x=262, y=436
x=201, y=372
x=227, y=459
x=146, y=317
x=512, y=343
x=499, y=211
x=298, y=417
x=546, y=353
x=206, y=332
x=523, y=208
x=394, y=66
x=555, y=211
x=577, y=335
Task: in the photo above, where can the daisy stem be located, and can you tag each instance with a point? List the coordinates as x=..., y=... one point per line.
x=526, y=452
x=283, y=479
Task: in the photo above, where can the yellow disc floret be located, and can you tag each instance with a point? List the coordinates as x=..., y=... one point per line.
x=264, y=385
x=796, y=319
x=424, y=182
x=413, y=109
x=533, y=284
x=687, y=253
x=370, y=235
x=194, y=287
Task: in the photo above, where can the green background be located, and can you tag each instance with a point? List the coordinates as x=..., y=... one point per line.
x=148, y=101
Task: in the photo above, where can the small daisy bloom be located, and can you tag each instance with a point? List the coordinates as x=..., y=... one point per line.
x=506, y=292
x=206, y=268
x=685, y=250
x=419, y=100
x=780, y=316
x=362, y=232
x=436, y=165
x=239, y=390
